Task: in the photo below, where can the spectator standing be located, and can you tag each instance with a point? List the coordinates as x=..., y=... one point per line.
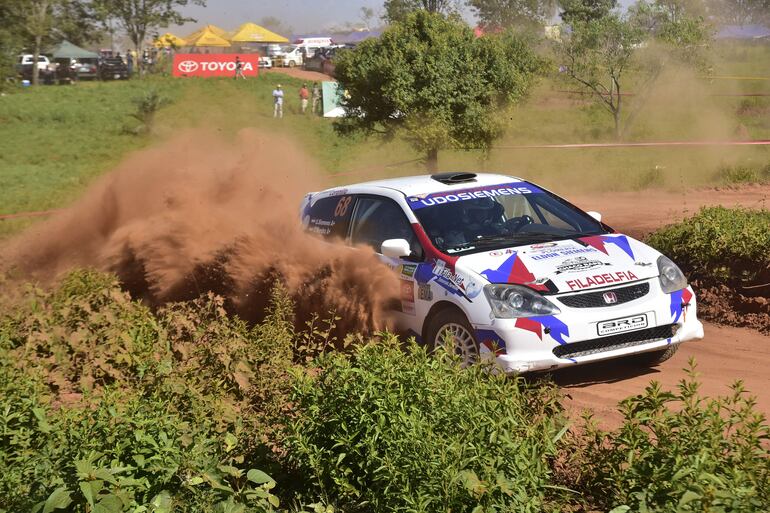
x=130, y=63
x=278, y=102
x=304, y=94
x=239, y=68
x=316, y=97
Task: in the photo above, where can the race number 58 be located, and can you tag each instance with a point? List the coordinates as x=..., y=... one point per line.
x=342, y=206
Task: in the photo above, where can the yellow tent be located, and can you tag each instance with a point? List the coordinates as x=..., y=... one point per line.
x=206, y=37
x=169, y=40
x=253, y=33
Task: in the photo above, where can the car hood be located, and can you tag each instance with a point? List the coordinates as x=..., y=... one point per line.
x=567, y=266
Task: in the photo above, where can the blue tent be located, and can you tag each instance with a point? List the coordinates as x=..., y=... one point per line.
x=743, y=32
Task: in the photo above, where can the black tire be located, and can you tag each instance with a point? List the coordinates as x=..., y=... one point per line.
x=654, y=358
x=453, y=320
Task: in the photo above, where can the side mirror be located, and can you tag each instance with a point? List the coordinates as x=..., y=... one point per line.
x=396, y=248
x=595, y=215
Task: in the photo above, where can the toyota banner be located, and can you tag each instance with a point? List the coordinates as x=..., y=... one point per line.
x=214, y=64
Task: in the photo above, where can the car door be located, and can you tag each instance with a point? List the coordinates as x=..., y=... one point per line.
x=375, y=220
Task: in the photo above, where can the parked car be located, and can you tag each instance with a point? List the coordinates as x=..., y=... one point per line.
x=265, y=62
x=87, y=69
x=323, y=60
x=289, y=57
x=505, y=270
x=46, y=69
x=113, y=68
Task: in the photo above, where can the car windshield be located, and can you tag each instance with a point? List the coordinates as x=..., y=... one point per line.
x=491, y=217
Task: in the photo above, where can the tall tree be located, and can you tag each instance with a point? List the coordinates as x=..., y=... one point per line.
x=600, y=52
x=77, y=22
x=11, y=35
x=573, y=11
x=513, y=13
x=597, y=56
x=38, y=26
x=398, y=10
x=741, y=12
x=430, y=80
x=140, y=18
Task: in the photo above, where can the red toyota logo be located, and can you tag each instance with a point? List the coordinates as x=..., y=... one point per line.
x=188, y=66
x=610, y=298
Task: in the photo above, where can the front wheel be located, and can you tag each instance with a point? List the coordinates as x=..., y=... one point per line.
x=292, y=64
x=451, y=330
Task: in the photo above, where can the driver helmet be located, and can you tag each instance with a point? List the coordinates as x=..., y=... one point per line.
x=482, y=211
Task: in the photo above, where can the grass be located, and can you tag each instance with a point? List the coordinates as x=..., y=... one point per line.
x=55, y=140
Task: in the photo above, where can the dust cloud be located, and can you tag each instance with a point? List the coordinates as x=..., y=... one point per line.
x=200, y=214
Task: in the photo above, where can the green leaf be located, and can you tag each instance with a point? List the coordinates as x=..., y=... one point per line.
x=90, y=490
x=620, y=509
x=688, y=497
x=161, y=503
x=230, y=442
x=258, y=477
x=59, y=499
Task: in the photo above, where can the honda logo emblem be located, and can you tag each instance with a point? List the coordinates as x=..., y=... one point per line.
x=610, y=298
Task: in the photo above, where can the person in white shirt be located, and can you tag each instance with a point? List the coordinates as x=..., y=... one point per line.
x=278, y=102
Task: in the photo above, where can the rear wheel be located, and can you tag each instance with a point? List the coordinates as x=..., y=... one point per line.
x=654, y=358
x=451, y=330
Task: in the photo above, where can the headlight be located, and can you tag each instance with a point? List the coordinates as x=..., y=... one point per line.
x=671, y=277
x=513, y=301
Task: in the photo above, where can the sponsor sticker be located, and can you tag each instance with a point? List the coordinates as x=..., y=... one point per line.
x=548, y=253
x=611, y=327
x=454, y=281
x=579, y=264
x=601, y=279
x=407, y=297
x=491, y=191
x=214, y=64
x=424, y=293
x=407, y=270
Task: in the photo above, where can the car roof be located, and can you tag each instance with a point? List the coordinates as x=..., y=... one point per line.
x=424, y=184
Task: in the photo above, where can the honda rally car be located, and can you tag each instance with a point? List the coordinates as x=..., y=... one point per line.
x=504, y=269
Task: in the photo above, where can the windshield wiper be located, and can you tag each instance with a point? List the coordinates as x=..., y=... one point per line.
x=485, y=240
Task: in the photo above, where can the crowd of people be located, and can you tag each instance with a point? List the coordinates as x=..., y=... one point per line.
x=305, y=96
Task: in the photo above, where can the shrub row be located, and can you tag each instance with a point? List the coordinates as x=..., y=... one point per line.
x=106, y=406
x=719, y=245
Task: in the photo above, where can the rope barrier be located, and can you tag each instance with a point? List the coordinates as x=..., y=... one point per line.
x=21, y=215
x=737, y=95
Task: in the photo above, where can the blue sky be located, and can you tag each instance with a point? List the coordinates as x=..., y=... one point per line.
x=302, y=15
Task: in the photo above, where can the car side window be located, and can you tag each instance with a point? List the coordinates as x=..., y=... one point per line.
x=330, y=217
x=378, y=219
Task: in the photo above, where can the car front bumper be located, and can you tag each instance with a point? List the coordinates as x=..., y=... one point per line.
x=571, y=338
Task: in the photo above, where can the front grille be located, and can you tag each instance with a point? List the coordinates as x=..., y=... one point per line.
x=596, y=299
x=620, y=341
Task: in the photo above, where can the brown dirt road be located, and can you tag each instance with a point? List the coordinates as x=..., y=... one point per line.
x=310, y=76
x=725, y=355
x=638, y=213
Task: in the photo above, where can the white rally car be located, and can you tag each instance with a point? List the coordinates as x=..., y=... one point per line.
x=503, y=268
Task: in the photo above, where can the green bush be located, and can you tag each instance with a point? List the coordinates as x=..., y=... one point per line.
x=399, y=430
x=722, y=245
x=678, y=452
x=651, y=178
x=108, y=407
x=744, y=174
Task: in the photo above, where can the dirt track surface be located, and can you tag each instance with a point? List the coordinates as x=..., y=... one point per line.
x=725, y=355
x=310, y=76
x=638, y=213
